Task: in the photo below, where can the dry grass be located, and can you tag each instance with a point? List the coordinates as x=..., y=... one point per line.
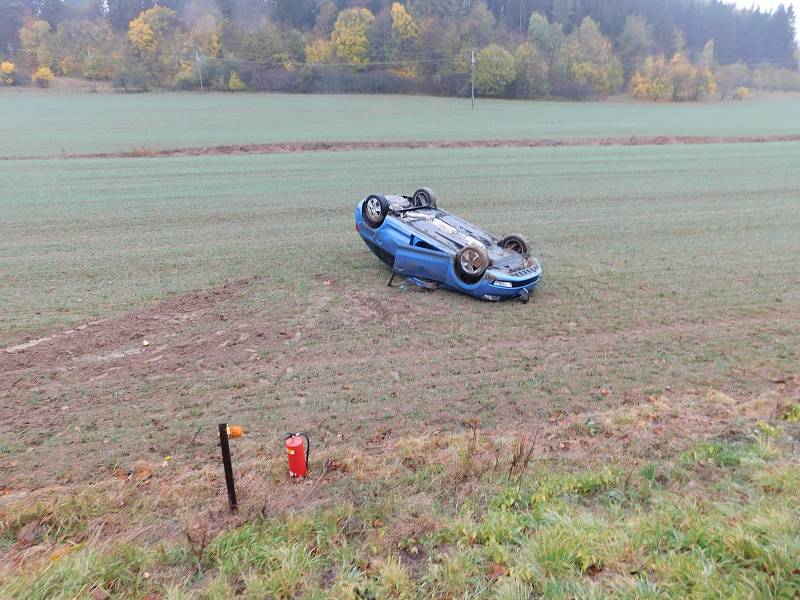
x=443, y=515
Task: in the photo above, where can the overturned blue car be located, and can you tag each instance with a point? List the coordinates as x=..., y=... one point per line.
x=432, y=248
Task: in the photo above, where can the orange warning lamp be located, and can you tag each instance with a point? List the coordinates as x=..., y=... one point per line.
x=235, y=431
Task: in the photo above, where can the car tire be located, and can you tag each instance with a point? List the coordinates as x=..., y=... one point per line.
x=471, y=263
x=516, y=243
x=424, y=197
x=374, y=210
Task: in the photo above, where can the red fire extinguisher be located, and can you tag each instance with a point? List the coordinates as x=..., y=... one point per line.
x=298, y=460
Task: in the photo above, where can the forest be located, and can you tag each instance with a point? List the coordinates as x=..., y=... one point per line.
x=662, y=50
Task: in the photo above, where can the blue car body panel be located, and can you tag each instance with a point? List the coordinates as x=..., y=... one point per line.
x=421, y=244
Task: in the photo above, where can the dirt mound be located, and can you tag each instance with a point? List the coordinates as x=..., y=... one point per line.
x=296, y=147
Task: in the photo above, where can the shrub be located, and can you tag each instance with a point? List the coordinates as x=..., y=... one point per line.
x=742, y=93
x=768, y=77
x=731, y=77
x=43, y=76
x=186, y=80
x=131, y=75
x=235, y=84
x=7, y=75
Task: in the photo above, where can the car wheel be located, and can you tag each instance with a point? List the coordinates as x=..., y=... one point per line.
x=516, y=243
x=424, y=197
x=374, y=210
x=471, y=263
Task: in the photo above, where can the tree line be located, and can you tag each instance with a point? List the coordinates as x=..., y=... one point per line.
x=652, y=49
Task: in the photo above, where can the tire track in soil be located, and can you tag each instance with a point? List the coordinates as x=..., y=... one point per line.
x=334, y=146
x=210, y=333
x=118, y=337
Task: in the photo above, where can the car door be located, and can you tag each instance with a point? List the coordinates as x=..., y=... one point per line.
x=426, y=263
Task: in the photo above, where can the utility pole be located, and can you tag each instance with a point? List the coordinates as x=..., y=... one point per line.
x=473, y=78
x=92, y=67
x=199, y=68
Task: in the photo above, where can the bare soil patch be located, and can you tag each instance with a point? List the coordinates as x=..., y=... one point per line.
x=297, y=147
x=71, y=389
x=109, y=339
x=154, y=382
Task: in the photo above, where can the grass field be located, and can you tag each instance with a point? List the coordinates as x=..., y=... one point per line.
x=630, y=433
x=53, y=124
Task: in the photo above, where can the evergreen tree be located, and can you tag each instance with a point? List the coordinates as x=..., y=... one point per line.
x=782, y=36
x=635, y=42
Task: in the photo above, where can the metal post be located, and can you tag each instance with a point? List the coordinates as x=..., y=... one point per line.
x=226, y=463
x=473, y=78
x=94, y=72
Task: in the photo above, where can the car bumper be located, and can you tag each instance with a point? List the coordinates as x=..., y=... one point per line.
x=486, y=290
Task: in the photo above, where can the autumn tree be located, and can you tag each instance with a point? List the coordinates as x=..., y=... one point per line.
x=495, y=70
x=265, y=45
x=156, y=37
x=350, y=36
x=36, y=40
x=548, y=37
x=533, y=72
x=429, y=41
x=675, y=79
x=405, y=30
x=85, y=48
x=590, y=61
x=404, y=39
x=205, y=35
x=691, y=81
x=319, y=51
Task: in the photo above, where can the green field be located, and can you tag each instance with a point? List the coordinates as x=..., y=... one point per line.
x=52, y=124
x=654, y=374
x=702, y=224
